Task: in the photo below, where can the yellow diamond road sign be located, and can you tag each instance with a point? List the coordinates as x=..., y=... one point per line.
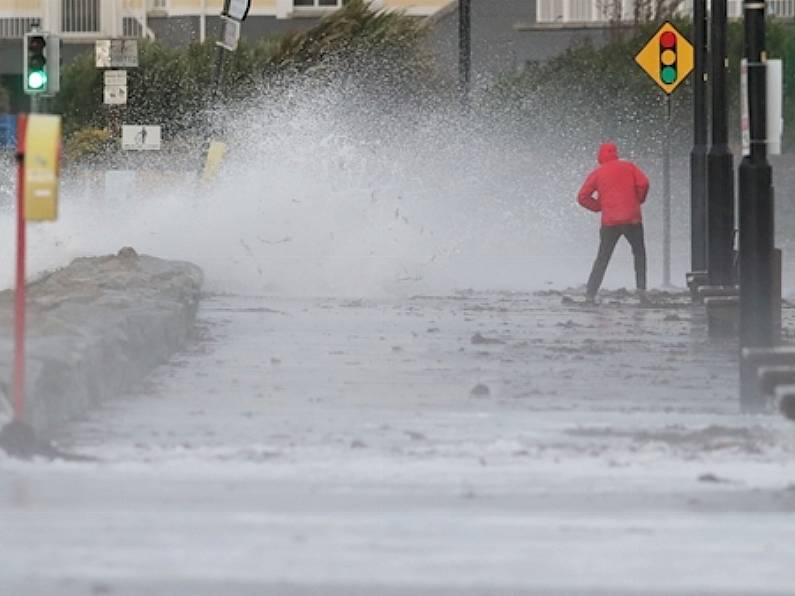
x=667, y=58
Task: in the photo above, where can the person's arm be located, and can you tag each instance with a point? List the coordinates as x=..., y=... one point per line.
x=585, y=196
x=641, y=185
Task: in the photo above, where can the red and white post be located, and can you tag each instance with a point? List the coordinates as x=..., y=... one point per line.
x=19, y=303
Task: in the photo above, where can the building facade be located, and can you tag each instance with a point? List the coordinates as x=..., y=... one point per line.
x=86, y=20
x=80, y=23
x=507, y=34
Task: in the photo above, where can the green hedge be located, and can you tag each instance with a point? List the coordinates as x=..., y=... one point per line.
x=174, y=86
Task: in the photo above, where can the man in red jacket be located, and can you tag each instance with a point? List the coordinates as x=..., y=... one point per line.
x=620, y=188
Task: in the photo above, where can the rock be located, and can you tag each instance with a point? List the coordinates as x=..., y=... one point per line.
x=98, y=326
x=710, y=477
x=479, y=339
x=127, y=253
x=570, y=324
x=480, y=390
x=19, y=439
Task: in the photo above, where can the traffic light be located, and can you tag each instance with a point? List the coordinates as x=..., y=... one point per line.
x=35, y=67
x=668, y=58
x=41, y=63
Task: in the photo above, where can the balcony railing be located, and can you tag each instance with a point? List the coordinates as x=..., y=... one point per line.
x=604, y=11
x=16, y=27
x=81, y=19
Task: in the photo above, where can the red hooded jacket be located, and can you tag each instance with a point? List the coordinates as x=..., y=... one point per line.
x=621, y=189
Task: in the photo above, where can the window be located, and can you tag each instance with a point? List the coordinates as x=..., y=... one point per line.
x=80, y=16
x=317, y=3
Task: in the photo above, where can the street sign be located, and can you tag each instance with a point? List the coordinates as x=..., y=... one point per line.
x=215, y=159
x=116, y=53
x=42, y=166
x=140, y=138
x=114, y=96
x=668, y=58
x=230, y=34
x=8, y=131
x=115, y=91
x=115, y=78
x=238, y=9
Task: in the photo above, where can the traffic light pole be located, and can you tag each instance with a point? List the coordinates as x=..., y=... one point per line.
x=666, y=281
x=757, y=232
x=464, y=47
x=720, y=164
x=698, y=156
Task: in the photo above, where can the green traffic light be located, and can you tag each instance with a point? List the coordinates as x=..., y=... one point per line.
x=668, y=74
x=37, y=79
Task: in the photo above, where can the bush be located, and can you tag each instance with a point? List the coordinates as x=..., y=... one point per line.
x=173, y=87
x=87, y=143
x=4, y=100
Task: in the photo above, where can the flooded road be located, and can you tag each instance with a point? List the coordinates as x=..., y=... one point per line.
x=478, y=443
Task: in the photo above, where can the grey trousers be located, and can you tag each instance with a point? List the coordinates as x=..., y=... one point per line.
x=608, y=237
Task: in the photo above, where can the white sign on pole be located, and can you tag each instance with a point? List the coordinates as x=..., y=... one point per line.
x=115, y=77
x=773, y=106
x=230, y=34
x=238, y=9
x=115, y=91
x=115, y=95
x=774, y=127
x=745, y=119
x=140, y=137
x=116, y=53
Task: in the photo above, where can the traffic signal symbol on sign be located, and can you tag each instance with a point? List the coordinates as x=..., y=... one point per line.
x=668, y=58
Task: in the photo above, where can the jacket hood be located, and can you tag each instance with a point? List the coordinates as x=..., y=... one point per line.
x=607, y=152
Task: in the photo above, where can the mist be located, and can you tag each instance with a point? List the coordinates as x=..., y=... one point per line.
x=328, y=189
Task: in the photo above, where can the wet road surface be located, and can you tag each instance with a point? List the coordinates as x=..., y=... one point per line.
x=472, y=444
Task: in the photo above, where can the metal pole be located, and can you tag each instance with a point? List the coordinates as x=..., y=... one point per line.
x=464, y=47
x=698, y=156
x=720, y=164
x=219, y=71
x=219, y=59
x=666, y=281
x=203, y=23
x=19, y=301
x=215, y=91
x=757, y=230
